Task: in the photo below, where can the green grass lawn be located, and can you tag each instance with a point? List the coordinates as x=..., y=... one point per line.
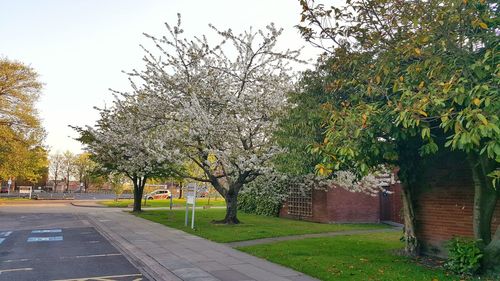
x=252, y=226
x=355, y=258
x=122, y=203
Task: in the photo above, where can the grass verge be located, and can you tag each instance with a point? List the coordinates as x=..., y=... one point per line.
x=122, y=203
x=252, y=226
x=354, y=258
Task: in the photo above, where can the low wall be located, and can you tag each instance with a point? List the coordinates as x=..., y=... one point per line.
x=340, y=206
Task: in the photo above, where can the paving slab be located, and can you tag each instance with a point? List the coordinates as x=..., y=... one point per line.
x=182, y=256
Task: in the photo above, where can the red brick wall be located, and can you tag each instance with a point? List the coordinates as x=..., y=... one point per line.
x=345, y=206
x=444, y=206
x=340, y=205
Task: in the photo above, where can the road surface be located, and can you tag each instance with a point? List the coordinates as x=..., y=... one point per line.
x=57, y=246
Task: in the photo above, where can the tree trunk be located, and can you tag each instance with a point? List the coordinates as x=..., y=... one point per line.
x=231, y=197
x=138, y=193
x=485, y=201
x=231, y=208
x=412, y=247
x=180, y=190
x=491, y=258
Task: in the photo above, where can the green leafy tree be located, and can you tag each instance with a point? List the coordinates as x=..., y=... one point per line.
x=83, y=168
x=303, y=125
x=409, y=79
x=117, y=182
x=22, y=154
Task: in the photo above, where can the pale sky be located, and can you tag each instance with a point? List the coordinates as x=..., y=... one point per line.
x=80, y=47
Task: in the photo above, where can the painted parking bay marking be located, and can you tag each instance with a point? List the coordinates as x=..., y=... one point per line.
x=47, y=231
x=4, y=234
x=105, y=278
x=15, y=269
x=45, y=239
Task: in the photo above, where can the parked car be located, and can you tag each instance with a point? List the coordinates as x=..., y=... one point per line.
x=158, y=194
x=37, y=193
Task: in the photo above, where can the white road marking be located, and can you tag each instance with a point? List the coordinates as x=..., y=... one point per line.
x=92, y=242
x=64, y=258
x=5, y=233
x=16, y=269
x=1, y=240
x=45, y=239
x=100, y=277
x=18, y=260
x=47, y=231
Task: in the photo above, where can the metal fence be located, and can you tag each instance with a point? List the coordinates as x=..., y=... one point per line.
x=66, y=196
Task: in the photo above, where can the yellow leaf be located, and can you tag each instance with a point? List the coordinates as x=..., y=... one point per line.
x=321, y=170
x=482, y=118
x=483, y=25
x=364, y=117
x=476, y=101
x=401, y=78
x=417, y=51
x=421, y=85
x=422, y=112
x=377, y=79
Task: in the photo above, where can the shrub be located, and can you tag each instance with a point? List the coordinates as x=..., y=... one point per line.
x=264, y=196
x=464, y=256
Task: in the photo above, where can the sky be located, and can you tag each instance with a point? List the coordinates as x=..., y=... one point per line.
x=80, y=47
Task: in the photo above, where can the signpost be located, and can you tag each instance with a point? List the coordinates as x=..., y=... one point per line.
x=9, y=182
x=190, y=200
x=171, y=200
x=25, y=190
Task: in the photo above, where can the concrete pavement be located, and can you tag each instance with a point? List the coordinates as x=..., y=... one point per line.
x=163, y=253
x=170, y=254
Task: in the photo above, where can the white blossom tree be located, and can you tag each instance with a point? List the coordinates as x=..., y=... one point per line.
x=215, y=106
x=119, y=142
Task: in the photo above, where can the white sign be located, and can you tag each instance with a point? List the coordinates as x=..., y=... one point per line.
x=190, y=200
x=25, y=189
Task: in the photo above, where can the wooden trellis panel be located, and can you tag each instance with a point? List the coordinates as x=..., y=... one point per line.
x=300, y=202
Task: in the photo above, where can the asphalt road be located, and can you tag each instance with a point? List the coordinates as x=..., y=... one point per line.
x=54, y=246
